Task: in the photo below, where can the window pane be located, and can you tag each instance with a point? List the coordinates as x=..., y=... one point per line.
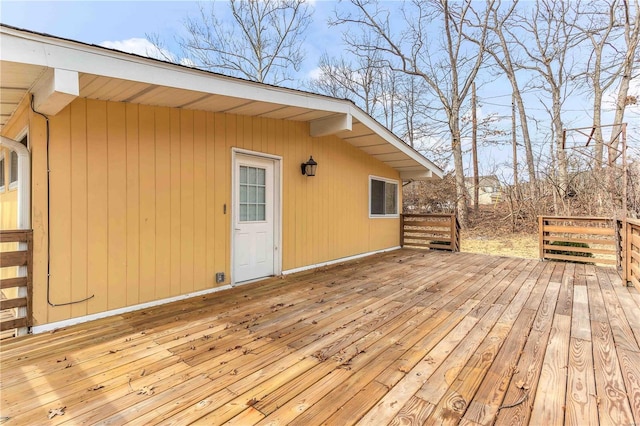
x=252, y=194
x=260, y=197
x=243, y=212
x=243, y=174
x=261, y=212
x=251, y=175
x=261, y=176
x=253, y=215
x=13, y=168
x=377, y=196
x=390, y=194
x=243, y=193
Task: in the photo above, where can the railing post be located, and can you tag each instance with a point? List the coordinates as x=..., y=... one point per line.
x=401, y=230
x=626, y=264
x=29, y=280
x=541, y=236
x=455, y=235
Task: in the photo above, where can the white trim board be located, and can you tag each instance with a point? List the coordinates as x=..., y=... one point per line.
x=341, y=260
x=86, y=318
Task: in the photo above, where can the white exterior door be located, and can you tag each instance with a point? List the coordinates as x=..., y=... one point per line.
x=253, y=217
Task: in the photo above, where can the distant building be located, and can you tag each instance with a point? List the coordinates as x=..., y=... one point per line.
x=489, y=190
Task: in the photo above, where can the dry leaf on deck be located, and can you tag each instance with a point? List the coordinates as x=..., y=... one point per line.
x=146, y=390
x=56, y=412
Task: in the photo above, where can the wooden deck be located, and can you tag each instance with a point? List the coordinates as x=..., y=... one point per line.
x=405, y=337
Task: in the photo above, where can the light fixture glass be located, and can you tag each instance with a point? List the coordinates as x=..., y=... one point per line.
x=309, y=168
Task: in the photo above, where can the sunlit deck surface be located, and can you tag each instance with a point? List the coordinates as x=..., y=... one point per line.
x=405, y=337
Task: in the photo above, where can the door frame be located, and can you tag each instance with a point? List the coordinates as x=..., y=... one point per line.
x=277, y=208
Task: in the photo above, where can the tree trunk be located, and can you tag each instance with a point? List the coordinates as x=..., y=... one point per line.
x=461, y=189
x=515, y=147
x=474, y=150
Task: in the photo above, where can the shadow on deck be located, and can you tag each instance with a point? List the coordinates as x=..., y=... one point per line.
x=402, y=337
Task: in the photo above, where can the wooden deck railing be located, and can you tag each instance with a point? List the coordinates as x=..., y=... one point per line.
x=433, y=231
x=23, y=257
x=630, y=231
x=578, y=239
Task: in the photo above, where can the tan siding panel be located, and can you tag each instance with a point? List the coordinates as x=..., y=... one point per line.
x=186, y=201
x=133, y=206
x=79, y=208
x=176, y=200
x=97, y=182
x=200, y=278
x=211, y=215
x=222, y=224
x=117, y=205
x=60, y=175
x=146, y=161
x=163, y=202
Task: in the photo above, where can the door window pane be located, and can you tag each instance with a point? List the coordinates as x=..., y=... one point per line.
x=252, y=195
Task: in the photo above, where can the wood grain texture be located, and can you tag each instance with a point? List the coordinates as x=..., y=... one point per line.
x=613, y=402
x=548, y=407
x=406, y=337
x=582, y=404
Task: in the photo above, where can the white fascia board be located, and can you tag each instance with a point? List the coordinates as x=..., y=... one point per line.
x=414, y=175
x=56, y=89
x=331, y=125
x=35, y=49
x=393, y=140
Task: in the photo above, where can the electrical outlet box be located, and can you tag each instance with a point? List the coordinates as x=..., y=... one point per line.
x=219, y=277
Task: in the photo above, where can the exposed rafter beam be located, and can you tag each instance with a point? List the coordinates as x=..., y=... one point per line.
x=56, y=89
x=331, y=125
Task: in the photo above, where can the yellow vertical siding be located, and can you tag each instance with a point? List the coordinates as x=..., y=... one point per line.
x=138, y=196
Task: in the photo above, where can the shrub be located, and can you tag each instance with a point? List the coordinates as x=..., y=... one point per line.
x=569, y=252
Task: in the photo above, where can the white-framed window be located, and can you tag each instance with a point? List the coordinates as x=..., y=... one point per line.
x=2, y=172
x=383, y=197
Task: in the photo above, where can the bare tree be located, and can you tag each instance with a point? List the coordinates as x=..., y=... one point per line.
x=546, y=36
x=632, y=39
x=263, y=41
x=601, y=27
x=502, y=49
x=442, y=57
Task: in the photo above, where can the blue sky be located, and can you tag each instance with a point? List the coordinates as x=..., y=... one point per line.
x=97, y=22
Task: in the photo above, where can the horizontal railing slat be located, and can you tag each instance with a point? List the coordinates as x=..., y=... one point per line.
x=17, y=236
x=13, y=258
x=13, y=282
x=552, y=238
x=428, y=224
x=580, y=259
x=579, y=230
x=19, y=302
x=580, y=249
x=14, y=323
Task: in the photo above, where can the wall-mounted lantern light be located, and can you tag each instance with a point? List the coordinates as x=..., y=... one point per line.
x=309, y=168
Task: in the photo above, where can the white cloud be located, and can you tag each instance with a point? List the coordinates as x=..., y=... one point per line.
x=139, y=46
x=314, y=73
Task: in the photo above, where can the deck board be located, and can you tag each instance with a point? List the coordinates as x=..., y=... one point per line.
x=404, y=337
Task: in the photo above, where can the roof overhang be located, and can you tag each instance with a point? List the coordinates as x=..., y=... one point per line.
x=57, y=71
